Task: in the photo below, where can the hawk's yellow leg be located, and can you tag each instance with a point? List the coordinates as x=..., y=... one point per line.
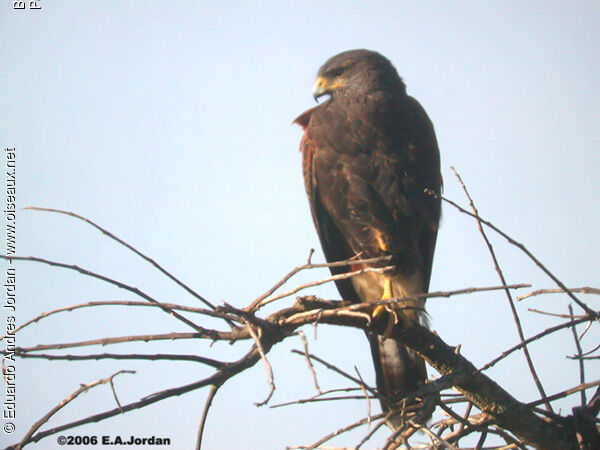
x=380, y=310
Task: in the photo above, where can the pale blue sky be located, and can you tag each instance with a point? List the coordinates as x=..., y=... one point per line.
x=169, y=124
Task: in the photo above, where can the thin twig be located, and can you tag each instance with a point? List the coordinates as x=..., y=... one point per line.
x=212, y=334
x=395, y=439
x=219, y=377
x=209, y=398
x=366, y=394
x=129, y=247
x=465, y=427
x=511, y=303
x=131, y=356
x=114, y=391
x=467, y=414
x=320, y=397
x=63, y=403
x=481, y=441
x=510, y=440
x=547, y=313
x=347, y=311
x=524, y=249
x=343, y=430
x=433, y=436
x=589, y=352
x=587, y=328
x=594, y=404
x=308, y=361
x=340, y=276
x=442, y=294
x=580, y=290
x=342, y=373
x=256, y=304
x=89, y=273
x=567, y=392
x=263, y=356
x=581, y=361
x=471, y=424
x=540, y=335
x=173, y=306
x=315, y=399
x=370, y=434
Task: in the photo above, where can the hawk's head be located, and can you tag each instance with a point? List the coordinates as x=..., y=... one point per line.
x=356, y=72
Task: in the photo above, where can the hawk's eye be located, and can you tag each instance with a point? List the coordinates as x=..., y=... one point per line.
x=336, y=72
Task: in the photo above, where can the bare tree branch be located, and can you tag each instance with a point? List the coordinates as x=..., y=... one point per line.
x=130, y=356
x=171, y=306
x=342, y=373
x=581, y=290
x=483, y=410
x=511, y=303
x=129, y=247
x=84, y=388
x=567, y=392
x=209, y=399
x=525, y=250
x=581, y=362
x=89, y=273
x=308, y=361
x=263, y=356
x=341, y=276
x=256, y=304
x=540, y=335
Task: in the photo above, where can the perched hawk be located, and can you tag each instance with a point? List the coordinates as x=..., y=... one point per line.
x=369, y=155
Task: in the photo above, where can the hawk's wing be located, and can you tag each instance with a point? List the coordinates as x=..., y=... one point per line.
x=366, y=176
x=334, y=246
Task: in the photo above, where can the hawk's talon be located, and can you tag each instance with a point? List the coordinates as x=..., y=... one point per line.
x=390, y=318
x=381, y=310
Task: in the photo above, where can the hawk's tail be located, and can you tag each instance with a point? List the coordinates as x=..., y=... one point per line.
x=398, y=370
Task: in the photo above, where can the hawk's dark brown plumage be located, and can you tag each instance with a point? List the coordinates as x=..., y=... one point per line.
x=369, y=154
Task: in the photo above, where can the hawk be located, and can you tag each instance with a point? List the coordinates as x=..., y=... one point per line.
x=370, y=156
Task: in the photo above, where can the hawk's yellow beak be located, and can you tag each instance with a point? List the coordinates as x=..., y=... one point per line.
x=324, y=86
